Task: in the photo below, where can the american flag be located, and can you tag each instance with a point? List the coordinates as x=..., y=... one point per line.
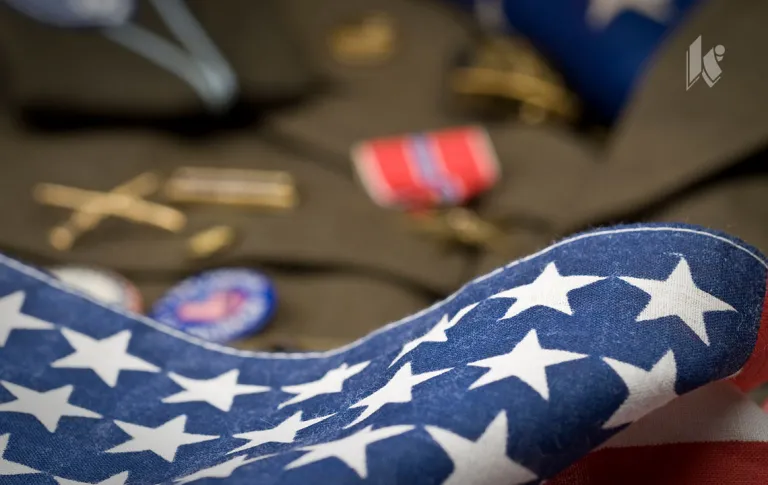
x=546, y=369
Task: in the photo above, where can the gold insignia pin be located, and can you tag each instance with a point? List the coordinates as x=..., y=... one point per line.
x=91, y=207
x=460, y=225
x=254, y=188
x=367, y=40
x=510, y=68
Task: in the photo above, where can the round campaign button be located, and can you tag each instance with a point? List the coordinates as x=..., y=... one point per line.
x=102, y=285
x=220, y=305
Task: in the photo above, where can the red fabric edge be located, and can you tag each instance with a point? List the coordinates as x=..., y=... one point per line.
x=755, y=371
x=708, y=463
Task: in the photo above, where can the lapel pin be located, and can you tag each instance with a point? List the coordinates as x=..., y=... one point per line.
x=91, y=207
x=227, y=186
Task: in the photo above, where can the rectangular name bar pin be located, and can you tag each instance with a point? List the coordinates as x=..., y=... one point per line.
x=228, y=186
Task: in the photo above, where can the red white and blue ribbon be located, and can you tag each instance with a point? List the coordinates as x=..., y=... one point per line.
x=423, y=170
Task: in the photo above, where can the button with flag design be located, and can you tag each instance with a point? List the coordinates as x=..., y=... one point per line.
x=220, y=305
x=424, y=170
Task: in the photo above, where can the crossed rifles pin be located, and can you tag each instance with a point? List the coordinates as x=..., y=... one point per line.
x=125, y=201
x=240, y=187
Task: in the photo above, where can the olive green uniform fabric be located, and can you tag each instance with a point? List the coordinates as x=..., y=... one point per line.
x=343, y=266
x=82, y=72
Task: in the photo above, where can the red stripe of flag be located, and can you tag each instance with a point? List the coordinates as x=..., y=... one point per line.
x=755, y=371
x=719, y=463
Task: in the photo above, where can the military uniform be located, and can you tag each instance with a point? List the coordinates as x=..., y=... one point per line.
x=342, y=265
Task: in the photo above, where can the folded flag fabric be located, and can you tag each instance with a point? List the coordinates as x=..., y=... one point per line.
x=600, y=46
x=513, y=379
x=125, y=61
x=711, y=436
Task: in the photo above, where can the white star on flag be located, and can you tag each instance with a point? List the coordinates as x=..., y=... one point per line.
x=648, y=390
x=602, y=12
x=678, y=296
x=527, y=361
x=437, y=334
x=219, y=392
x=549, y=289
x=397, y=390
x=284, y=432
x=118, y=479
x=106, y=357
x=48, y=407
x=351, y=450
x=164, y=441
x=331, y=383
x=222, y=470
x=11, y=317
x=481, y=462
x=10, y=467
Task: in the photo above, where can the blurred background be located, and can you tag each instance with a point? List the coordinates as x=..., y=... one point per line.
x=292, y=175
